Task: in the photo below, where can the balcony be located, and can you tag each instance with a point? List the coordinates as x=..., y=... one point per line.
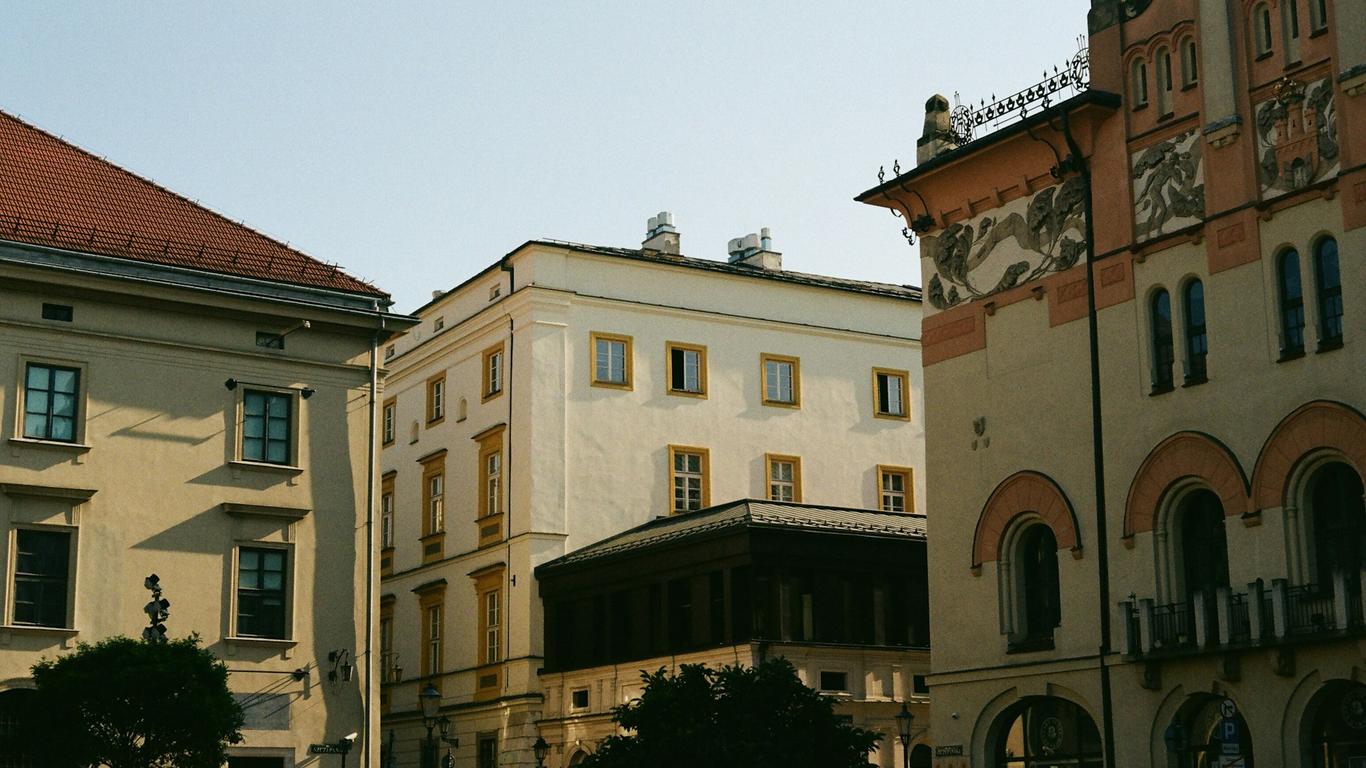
x=1227, y=620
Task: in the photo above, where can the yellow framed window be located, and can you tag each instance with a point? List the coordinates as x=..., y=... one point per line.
x=896, y=493
x=492, y=367
x=891, y=399
x=781, y=380
x=610, y=360
x=783, y=477
x=686, y=366
x=688, y=478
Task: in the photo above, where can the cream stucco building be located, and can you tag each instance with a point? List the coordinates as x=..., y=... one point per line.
x=1145, y=309
x=568, y=393
x=186, y=397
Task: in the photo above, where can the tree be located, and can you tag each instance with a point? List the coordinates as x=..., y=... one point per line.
x=757, y=717
x=126, y=703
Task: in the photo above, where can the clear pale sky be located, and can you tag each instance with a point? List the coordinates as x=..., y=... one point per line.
x=415, y=143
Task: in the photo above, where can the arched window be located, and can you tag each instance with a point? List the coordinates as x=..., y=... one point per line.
x=1045, y=731
x=1292, y=303
x=1190, y=66
x=1329, y=284
x=1163, y=345
x=1164, y=81
x=1290, y=29
x=1318, y=15
x=1139, y=70
x=1204, y=545
x=1197, y=342
x=1261, y=29
x=1339, y=521
x=1038, y=563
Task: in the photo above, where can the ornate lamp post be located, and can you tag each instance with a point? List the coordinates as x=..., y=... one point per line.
x=541, y=749
x=430, y=699
x=904, y=720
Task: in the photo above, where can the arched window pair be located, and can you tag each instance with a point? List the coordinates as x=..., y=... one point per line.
x=1195, y=336
x=1138, y=73
x=1328, y=289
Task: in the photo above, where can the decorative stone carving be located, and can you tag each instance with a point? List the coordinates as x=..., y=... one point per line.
x=1297, y=136
x=1020, y=241
x=1169, y=186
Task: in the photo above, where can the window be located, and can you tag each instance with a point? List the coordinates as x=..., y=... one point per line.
x=782, y=385
x=41, y=570
x=889, y=393
x=386, y=505
x=267, y=424
x=1338, y=521
x=388, y=351
x=436, y=399
x=438, y=324
x=1330, y=293
x=267, y=340
x=493, y=483
x=436, y=496
x=687, y=364
x=784, y=477
x=895, y=491
x=1164, y=81
x=1290, y=29
x=1190, y=65
x=431, y=600
x=62, y=313
x=1139, y=76
x=688, y=478
x=433, y=506
x=1204, y=547
x=1318, y=16
x=51, y=402
x=611, y=360
x=1292, y=303
x=488, y=751
x=1261, y=29
x=834, y=681
x=919, y=685
x=1163, y=344
x=261, y=592
x=389, y=422
x=1039, y=582
x=492, y=623
x=578, y=698
x=388, y=661
x=493, y=372
x=1197, y=343
x=431, y=638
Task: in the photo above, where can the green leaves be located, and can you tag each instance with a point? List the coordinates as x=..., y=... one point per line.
x=757, y=717
x=125, y=703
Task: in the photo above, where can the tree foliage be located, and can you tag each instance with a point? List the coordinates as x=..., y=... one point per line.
x=756, y=717
x=127, y=703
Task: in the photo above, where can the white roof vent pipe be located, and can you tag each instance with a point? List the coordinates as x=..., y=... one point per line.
x=755, y=251
x=660, y=235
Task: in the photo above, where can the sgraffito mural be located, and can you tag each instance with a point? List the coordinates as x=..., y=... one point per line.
x=1297, y=136
x=1020, y=241
x=1169, y=186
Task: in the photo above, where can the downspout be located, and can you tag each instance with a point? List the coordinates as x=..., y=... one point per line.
x=1076, y=162
x=370, y=576
x=508, y=575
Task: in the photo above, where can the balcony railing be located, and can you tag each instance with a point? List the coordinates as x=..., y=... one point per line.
x=1260, y=616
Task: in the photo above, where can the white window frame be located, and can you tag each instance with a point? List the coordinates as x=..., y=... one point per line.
x=82, y=390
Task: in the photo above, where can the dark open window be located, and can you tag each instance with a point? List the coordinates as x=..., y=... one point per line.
x=1197, y=342
x=51, y=402
x=1163, y=354
x=60, y=312
x=1330, y=293
x=266, y=425
x=680, y=614
x=1204, y=544
x=1339, y=523
x=1039, y=564
x=261, y=593
x=1292, y=303
x=40, y=577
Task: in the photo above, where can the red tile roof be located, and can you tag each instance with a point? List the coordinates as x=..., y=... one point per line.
x=55, y=194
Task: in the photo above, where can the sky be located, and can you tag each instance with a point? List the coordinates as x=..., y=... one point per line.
x=416, y=143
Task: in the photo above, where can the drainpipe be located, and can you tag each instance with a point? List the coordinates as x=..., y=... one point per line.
x=508, y=575
x=1076, y=162
x=370, y=537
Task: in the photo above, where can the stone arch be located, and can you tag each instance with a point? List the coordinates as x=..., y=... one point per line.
x=1021, y=493
x=1181, y=456
x=1315, y=426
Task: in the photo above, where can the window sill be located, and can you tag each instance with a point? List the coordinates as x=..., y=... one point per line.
x=1194, y=381
x=261, y=466
x=1290, y=354
x=1030, y=645
x=36, y=629
x=1190, y=85
x=782, y=404
x=686, y=393
x=1140, y=106
x=623, y=385
x=1263, y=55
x=1160, y=389
x=487, y=396
x=58, y=445
x=1165, y=116
x=1319, y=32
x=262, y=642
x=1328, y=346
x=891, y=416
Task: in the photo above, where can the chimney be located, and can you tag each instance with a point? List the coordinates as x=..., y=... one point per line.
x=660, y=235
x=437, y=294
x=938, y=136
x=755, y=251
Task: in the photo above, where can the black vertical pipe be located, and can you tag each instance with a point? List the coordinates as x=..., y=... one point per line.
x=1078, y=162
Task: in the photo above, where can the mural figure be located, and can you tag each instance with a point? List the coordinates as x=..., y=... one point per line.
x=1297, y=136
x=1018, y=242
x=1169, y=187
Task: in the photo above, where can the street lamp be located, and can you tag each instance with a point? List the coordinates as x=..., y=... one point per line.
x=904, y=719
x=430, y=699
x=541, y=749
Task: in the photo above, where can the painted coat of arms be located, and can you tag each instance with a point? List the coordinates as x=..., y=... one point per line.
x=1022, y=240
x=1297, y=136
